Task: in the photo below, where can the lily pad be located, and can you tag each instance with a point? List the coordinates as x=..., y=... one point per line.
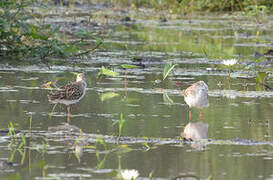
x=108, y=72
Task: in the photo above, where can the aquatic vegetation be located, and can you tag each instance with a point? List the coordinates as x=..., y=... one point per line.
x=23, y=142
x=229, y=63
x=120, y=122
x=22, y=35
x=16, y=145
x=261, y=77
x=129, y=66
x=167, y=99
x=107, y=72
x=167, y=69
x=11, y=129
x=101, y=162
x=187, y=6
x=151, y=175
x=256, y=11
x=120, y=125
x=13, y=138
x=108, y=95
x=52, y=110
x=30, y=121
x=155, y=110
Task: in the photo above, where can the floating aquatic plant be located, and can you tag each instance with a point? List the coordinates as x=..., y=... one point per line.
x=129, y=66
x=229, y=63
x=108, y=95
x=108, y=72
x=129, y=174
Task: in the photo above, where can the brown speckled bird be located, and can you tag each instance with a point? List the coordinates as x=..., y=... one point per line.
x=196, y=96
x=70, y=93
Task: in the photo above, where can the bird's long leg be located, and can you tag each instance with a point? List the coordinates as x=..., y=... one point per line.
x=190, y=114
x=68, y=113
x=200, y=114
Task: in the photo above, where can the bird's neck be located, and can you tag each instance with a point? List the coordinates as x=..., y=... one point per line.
x=84, y=83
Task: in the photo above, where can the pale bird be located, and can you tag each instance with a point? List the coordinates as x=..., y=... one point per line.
x=196, y=96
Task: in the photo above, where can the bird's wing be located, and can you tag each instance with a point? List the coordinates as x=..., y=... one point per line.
x=69, y=92
x=73, y=91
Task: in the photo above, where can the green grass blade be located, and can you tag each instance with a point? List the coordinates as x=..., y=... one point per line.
x=167, y=69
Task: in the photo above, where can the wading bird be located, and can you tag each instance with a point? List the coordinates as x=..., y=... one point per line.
x=196, y=96
x=70, y=94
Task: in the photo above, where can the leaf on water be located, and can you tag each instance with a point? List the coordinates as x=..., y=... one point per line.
x=89, y=147
x=108, y=72
x=167, y=99
x=129, y=66
x=167, y=69
x=100, y=140
x=260, y=77
x=108, y=95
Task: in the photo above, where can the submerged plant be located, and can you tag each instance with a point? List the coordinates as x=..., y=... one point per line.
x=101, y=162
x=167, y=99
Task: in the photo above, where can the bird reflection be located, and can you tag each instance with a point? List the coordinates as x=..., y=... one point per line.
x=71, y=136
x=196, y=96
x=70, y=94
x=196, y=132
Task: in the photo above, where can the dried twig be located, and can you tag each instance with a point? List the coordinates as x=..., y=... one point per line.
x=90, y=50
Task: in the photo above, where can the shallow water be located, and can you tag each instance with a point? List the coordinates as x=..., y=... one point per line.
x=239, y=118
